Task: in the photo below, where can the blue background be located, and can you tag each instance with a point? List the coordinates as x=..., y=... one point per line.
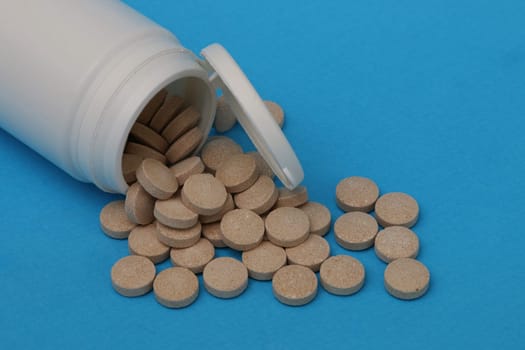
x=424, y=97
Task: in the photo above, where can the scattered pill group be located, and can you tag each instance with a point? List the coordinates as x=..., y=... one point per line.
x=182, y=207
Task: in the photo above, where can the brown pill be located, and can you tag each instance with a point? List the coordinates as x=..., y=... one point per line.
x=287, y=227
x=152, y=107
x=311, y=253
x=204, y=194
x=143, y=241
x=176, y=287
x=224, y=117
x=133, y=276
x=139, y=205
x=292, y=198
x=187, y=167
x=320, y=217
x=356, y=193
x=397, y=209
x=228, y=206
x=262, y=166
x=114, y=221
x=342, y=275
x=260, y=197
x=178, y=238
x=355, y=230
x=276, y=111
x=212, y=232
x=130, y=163
x=242, y=229
x=173, y=213
x=186, y=120
x=217, y=150
x=238, y=173
x=406, y=278
x=225, y=277
x=195, y=257
x=264, y=260
x=148, y=137
x=396, y=242
x=294, y=285
x=186, y=144
x=171, y=107
x=157, y=179
x=144, y=152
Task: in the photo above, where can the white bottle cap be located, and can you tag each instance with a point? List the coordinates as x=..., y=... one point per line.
x=252, y=114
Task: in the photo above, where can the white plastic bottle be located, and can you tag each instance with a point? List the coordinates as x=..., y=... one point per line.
x=75, y=74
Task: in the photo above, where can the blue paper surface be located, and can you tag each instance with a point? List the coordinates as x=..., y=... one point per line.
x=424, y=97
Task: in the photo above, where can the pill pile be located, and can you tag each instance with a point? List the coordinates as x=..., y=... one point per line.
x=182, y=207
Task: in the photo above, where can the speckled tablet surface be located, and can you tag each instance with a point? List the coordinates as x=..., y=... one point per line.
x=224, y=117
x=183, y=122
x=176, y=287
x=287, y=227
x=169, y=109
x=292, y=198
x=187, y=167
x=342, y=275
x=142, y=134
x=260, y=197
x=237, y=173
x=311, y=253
x=242, y=229
x=228, y=206
x=406, y=278
x=356, y=193
x=396, y=242
x=152, y=107
x=212, y=232
x=204, y=194
x=264, y=260
x=130, y=163
x=139, y=205
x=262, y=166
x=218, y=149
x=144, y=151
x=143, y=241
x=355, y=230
x=114, y=221
x=133, y=276
x=225, y=277
x=397, y=209
x=157, y=179
x=294, y=285
x=178, y=238
x=174, y=213
x=194, y=257
x=320, y=217
x=184, y=145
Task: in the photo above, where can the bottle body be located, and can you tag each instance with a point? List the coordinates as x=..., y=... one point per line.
x=75, y=75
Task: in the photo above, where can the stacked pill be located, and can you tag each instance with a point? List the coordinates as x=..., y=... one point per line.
x=182, y=207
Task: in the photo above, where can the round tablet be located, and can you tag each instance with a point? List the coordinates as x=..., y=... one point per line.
x=187, y=167
x=204, y=194
x=114, y=221
x=356, y=194
x=148, y=137
x=194, y=257
x=259, y=197
x=218, y=149
x=171, y=106
x=228, y=206
x=157, y=179
x=287, y=227
x=311, y=253
x=237, y=173
x=406, y=278
x=292, y=198
x=152, y=107
x=178, y=238
x=139, y=205
x=143, y=241
x=130, y=163
x=212, y=232
x=342, y=275
x=276, y=111
x=294, y=285
x=355, y=230
x=263, y=261
x=320, y=217
x=175, y=214
x=184, y=145
x=133, y=276
x=397, y=209
x=242, y=229
x=144, y=151
x=183, y=122
x=396, y=242
x=262, y=166
x=224, y=117
x=176, y=287
x=225, y=277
